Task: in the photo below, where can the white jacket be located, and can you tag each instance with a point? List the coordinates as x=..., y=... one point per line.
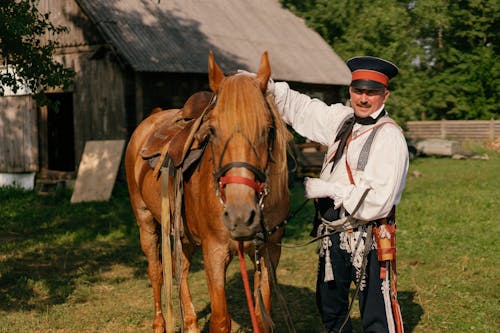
x=385, y=171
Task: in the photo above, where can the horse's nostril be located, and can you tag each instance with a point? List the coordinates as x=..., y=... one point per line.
x=251, y=218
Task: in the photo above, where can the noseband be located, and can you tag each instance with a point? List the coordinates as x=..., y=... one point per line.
x=260, y=176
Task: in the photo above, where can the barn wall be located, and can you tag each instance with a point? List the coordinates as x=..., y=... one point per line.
x=167, y=90
x=171, y=90
x=98, y=90
x=330, y=94
x=99, y=111
x=18, y=134
x=67, y=13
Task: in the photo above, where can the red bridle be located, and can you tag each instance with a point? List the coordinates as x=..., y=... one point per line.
x=259, y=184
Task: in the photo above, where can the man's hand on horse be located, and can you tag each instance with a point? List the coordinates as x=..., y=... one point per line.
x=270, y=82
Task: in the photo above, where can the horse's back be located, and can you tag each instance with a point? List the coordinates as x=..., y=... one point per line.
x=138, y=170
x=148, y=126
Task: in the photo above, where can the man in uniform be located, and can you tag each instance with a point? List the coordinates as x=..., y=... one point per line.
x=362, y=178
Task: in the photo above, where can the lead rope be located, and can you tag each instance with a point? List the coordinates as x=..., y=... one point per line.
x=274, y=283
x=261, y=241
x=246, y=285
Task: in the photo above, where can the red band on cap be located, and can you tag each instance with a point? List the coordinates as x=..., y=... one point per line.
x=364, y=74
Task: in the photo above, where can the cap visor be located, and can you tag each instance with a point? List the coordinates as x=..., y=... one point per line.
x=367, y=84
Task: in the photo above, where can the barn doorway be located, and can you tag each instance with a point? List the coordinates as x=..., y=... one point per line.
x=57, y=148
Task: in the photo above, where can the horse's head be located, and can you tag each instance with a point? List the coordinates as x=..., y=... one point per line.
x=243, y=136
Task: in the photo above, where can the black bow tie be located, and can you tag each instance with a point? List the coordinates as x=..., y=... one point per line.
x=368, y=120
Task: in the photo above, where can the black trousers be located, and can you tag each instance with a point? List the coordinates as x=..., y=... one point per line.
x=332, y=298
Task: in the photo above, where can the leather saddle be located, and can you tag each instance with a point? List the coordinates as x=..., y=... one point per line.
x=180, y=136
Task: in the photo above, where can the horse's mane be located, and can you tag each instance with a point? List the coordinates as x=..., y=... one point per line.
x=279, y=170
x=242, y=107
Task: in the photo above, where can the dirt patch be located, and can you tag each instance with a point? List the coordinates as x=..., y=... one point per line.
x=494, y=144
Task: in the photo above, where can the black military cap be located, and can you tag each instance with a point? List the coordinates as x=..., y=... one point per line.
x=371, y=73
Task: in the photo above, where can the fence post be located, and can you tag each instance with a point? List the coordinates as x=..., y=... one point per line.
x=492, y=129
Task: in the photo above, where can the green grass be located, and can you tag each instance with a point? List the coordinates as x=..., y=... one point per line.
x=79, y=268
x=448, y=244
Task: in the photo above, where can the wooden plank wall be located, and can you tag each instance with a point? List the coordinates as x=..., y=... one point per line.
x=460, y=130
x=67, y=13
x=18, y=134
x=99, y=103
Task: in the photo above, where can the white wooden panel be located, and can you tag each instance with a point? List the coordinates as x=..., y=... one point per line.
x=97, y=171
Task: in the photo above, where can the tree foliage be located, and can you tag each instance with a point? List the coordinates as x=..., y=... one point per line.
x=447, y=51
x=25, y=51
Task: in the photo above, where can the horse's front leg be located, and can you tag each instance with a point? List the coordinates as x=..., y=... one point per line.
x=262, y=281
x=216, y=258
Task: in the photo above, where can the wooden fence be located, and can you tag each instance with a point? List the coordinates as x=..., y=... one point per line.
x=309, y=156
x=460, y=130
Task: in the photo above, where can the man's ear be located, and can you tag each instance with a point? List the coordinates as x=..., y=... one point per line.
x=386, y=95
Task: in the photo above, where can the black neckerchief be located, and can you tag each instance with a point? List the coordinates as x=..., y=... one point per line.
x=346, y=130
x=369, y=120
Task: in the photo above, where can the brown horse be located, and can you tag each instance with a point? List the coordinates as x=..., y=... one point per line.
x=238, y=189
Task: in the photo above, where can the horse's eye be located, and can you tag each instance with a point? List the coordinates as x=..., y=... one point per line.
x=212, y=130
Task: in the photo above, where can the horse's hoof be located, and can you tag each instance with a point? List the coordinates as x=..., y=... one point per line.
x=192, y=330
x=159, y=329
x=159, y=324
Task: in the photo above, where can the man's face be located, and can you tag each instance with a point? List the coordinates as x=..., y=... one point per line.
x=365, y=102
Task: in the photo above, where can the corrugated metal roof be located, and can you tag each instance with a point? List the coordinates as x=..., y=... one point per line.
x=176, y=36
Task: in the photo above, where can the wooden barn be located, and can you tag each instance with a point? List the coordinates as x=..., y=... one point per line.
x=131, y=56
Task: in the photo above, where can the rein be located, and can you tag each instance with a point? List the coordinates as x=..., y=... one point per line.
x=246, y=285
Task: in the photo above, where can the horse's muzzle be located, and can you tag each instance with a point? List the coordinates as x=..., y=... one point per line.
x=242, y=221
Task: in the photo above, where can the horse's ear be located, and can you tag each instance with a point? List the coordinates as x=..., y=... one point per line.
x=264, y=72
x=215, y=74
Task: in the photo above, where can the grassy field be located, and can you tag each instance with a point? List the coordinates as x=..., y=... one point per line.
x=79, y=268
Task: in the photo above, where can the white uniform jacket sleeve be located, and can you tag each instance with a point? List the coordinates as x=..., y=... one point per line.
x=308, y=116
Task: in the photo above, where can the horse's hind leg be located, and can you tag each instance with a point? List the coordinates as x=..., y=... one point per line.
x=149, y=233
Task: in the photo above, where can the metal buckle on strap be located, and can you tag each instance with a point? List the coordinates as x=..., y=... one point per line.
x=342, y=224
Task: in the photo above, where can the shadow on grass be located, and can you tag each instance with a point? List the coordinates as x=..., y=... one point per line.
x=302, y=308
x=48, y=246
